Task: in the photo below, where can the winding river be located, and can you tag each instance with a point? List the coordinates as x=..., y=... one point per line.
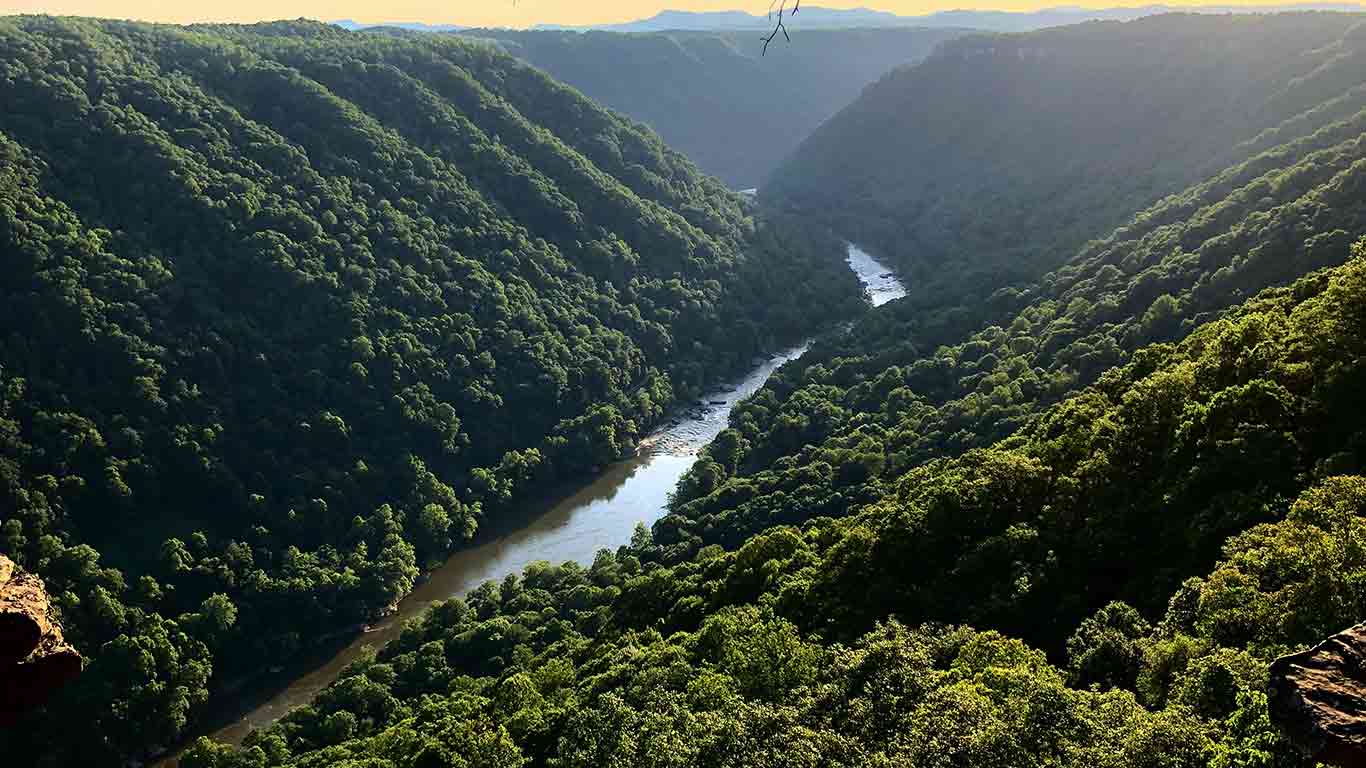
x=600, y=515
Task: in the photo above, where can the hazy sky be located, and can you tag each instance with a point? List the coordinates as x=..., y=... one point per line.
x=513, y=13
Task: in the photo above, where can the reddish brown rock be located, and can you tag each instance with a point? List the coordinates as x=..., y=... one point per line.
x=1318, y=698
x=34, y=659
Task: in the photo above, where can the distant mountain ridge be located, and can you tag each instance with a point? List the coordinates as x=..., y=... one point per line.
x=680, y=21
x=415, y=26
x=815, y=17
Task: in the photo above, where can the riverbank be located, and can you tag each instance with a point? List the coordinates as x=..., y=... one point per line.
x=602, y=514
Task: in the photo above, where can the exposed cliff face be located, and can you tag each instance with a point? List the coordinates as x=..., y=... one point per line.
x=1318, y=698
x=34, y=659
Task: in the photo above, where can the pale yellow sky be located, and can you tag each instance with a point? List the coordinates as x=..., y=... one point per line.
x=510, y=13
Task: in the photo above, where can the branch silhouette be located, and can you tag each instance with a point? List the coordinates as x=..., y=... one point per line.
x=779, y=26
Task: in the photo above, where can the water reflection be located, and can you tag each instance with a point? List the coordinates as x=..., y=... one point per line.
x=601, y=514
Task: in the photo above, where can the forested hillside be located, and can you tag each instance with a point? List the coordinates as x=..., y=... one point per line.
x=841, y=642
x=1000, y=155
x=1068, y=525
x=716, y=96
x=915, y=381
x=291, y=312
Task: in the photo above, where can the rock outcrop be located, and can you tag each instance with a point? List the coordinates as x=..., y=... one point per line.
x=34, y=659
x=1318, y=698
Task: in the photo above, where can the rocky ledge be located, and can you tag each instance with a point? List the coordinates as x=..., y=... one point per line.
x=34, y=659
x=1318, y=698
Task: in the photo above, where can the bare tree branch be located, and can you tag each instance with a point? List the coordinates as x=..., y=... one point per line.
x=780, y=27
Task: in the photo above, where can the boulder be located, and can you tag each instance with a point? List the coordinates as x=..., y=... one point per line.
x=34, y=658
x=1318, y=698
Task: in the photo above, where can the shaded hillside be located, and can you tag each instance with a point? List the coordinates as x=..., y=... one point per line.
x=999, y=156
x=714, y=96
x=292, y=312
x=916, y=381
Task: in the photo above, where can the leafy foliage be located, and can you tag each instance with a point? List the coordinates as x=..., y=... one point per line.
x=915, y=381
x=1138, y=477
x=292, y=311
x=772, y=652
x=1070, y=524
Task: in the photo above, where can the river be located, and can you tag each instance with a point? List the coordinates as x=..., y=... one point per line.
x=600, y=515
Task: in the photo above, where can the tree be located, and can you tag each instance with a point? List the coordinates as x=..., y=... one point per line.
x=1107, y=649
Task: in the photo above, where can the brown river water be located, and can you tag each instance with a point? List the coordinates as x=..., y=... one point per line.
x=602, y=514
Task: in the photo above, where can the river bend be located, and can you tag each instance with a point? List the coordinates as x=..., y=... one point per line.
x=601, y=515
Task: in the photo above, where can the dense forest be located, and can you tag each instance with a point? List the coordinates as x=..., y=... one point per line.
x=916, y=381
x=999, y=156
x=1067, y=525
x=717, y=97
x=843, y=642
x=299, y=310
x=291, y=312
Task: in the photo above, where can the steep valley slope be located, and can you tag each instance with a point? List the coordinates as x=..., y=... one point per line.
x=291, y=312
x=718, y=97
x=1070, y=524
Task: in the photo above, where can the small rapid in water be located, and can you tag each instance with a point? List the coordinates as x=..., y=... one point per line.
x=601, y=515
x=882, y=285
